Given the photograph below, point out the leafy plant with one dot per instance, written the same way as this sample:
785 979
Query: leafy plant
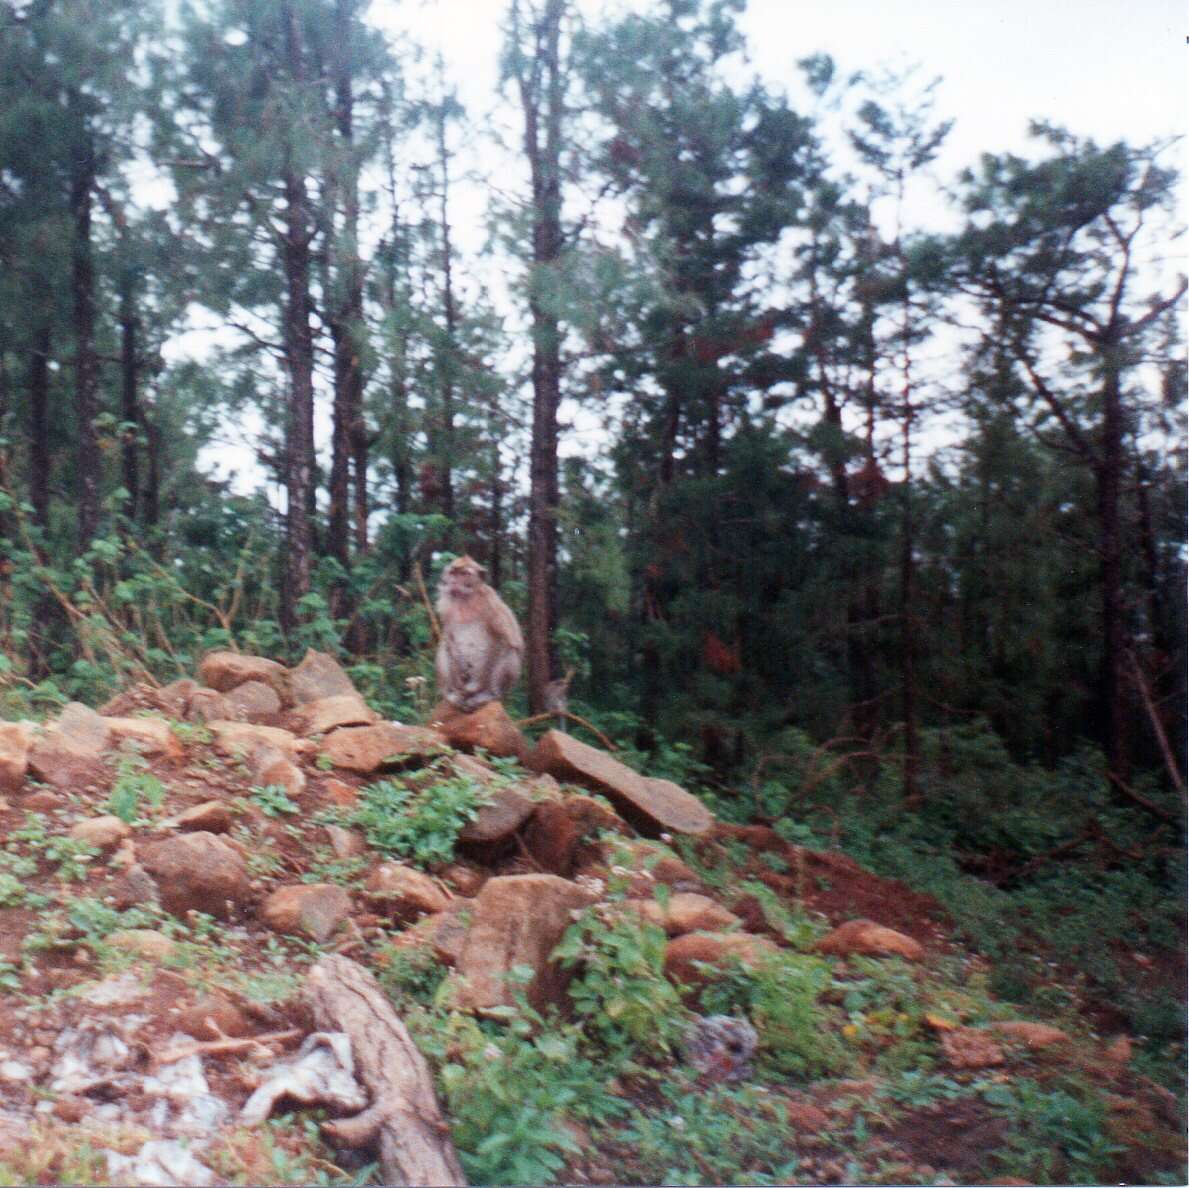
422 818
273 801
620 988
134 786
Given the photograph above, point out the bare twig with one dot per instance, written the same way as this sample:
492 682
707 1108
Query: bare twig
225 1045
536 719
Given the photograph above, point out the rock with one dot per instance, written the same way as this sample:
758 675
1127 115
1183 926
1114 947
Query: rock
134 887
58 760
685 912
370 748
240 739
85 729
870 940
143 942
465 880
552 839
650 805
104 833
517 920
499 819
489 728
410 891
1033 1036
228 1019
174 698
331 713
199 872
1119 1051
345 843
316 909
806 1117
683 953
444 932
269 766
253 701
223 671
151 736
343 794
319 676
15 740
207 705
967 1047
212 816
649 863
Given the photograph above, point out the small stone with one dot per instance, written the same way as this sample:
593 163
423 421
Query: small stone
15 741
685 953
228 1019
870 940
269 766
223 671
345 843
143 942
410 891
212 816
151 736
686 912
967 1047
101 832
1033 1036
317 909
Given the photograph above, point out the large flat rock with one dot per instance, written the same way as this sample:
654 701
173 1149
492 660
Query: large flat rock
223 671
372 748
651 805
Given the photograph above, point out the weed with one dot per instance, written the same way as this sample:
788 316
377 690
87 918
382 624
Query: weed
410 974
134 787
422 818
621 989
273 800
71 856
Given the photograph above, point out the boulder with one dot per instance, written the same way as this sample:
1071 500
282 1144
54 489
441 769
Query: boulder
319 676
15 740
104 833
332 713
207 705
651 805
199 872
516 920
223 671
370 748
174 698
212 816
341 793
465 880
444 932
240 739
869 940
498 819
1033 1036
686 912
84 728
684 954
968 1047
411 892
316 909
143 942
489 728
345 843
151 736
552 839
58 760
253 701
269 766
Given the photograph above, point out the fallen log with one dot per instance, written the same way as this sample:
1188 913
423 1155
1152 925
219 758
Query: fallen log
414 1139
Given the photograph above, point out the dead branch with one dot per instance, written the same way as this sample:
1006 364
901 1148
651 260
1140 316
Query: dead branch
225 1045
536 719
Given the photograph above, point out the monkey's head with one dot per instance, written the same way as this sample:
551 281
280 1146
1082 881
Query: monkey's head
463 578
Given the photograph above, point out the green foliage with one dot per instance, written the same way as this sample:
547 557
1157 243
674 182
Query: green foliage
134 788
1057 1132
71 856
421 818
798 1034
620 988
273 801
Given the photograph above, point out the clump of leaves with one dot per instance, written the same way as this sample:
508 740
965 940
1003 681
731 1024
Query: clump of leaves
780 995
410 974
273 801
421 818
71 856
135 786
620 988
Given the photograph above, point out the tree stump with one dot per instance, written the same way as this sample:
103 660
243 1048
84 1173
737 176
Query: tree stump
414 1139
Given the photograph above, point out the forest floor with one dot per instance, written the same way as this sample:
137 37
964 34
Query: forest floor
882 1068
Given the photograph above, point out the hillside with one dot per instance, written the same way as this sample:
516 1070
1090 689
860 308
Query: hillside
176 863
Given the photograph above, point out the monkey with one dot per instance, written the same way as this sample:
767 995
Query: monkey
478 658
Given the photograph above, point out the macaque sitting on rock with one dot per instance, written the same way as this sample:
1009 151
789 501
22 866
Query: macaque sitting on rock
479 654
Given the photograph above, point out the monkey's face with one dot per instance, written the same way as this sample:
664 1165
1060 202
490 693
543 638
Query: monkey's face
462 578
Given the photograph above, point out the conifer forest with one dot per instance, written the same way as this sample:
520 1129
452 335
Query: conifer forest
845 494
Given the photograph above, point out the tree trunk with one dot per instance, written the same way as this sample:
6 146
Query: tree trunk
299 357
46 612
541 99
414 1138
129 400
86 366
